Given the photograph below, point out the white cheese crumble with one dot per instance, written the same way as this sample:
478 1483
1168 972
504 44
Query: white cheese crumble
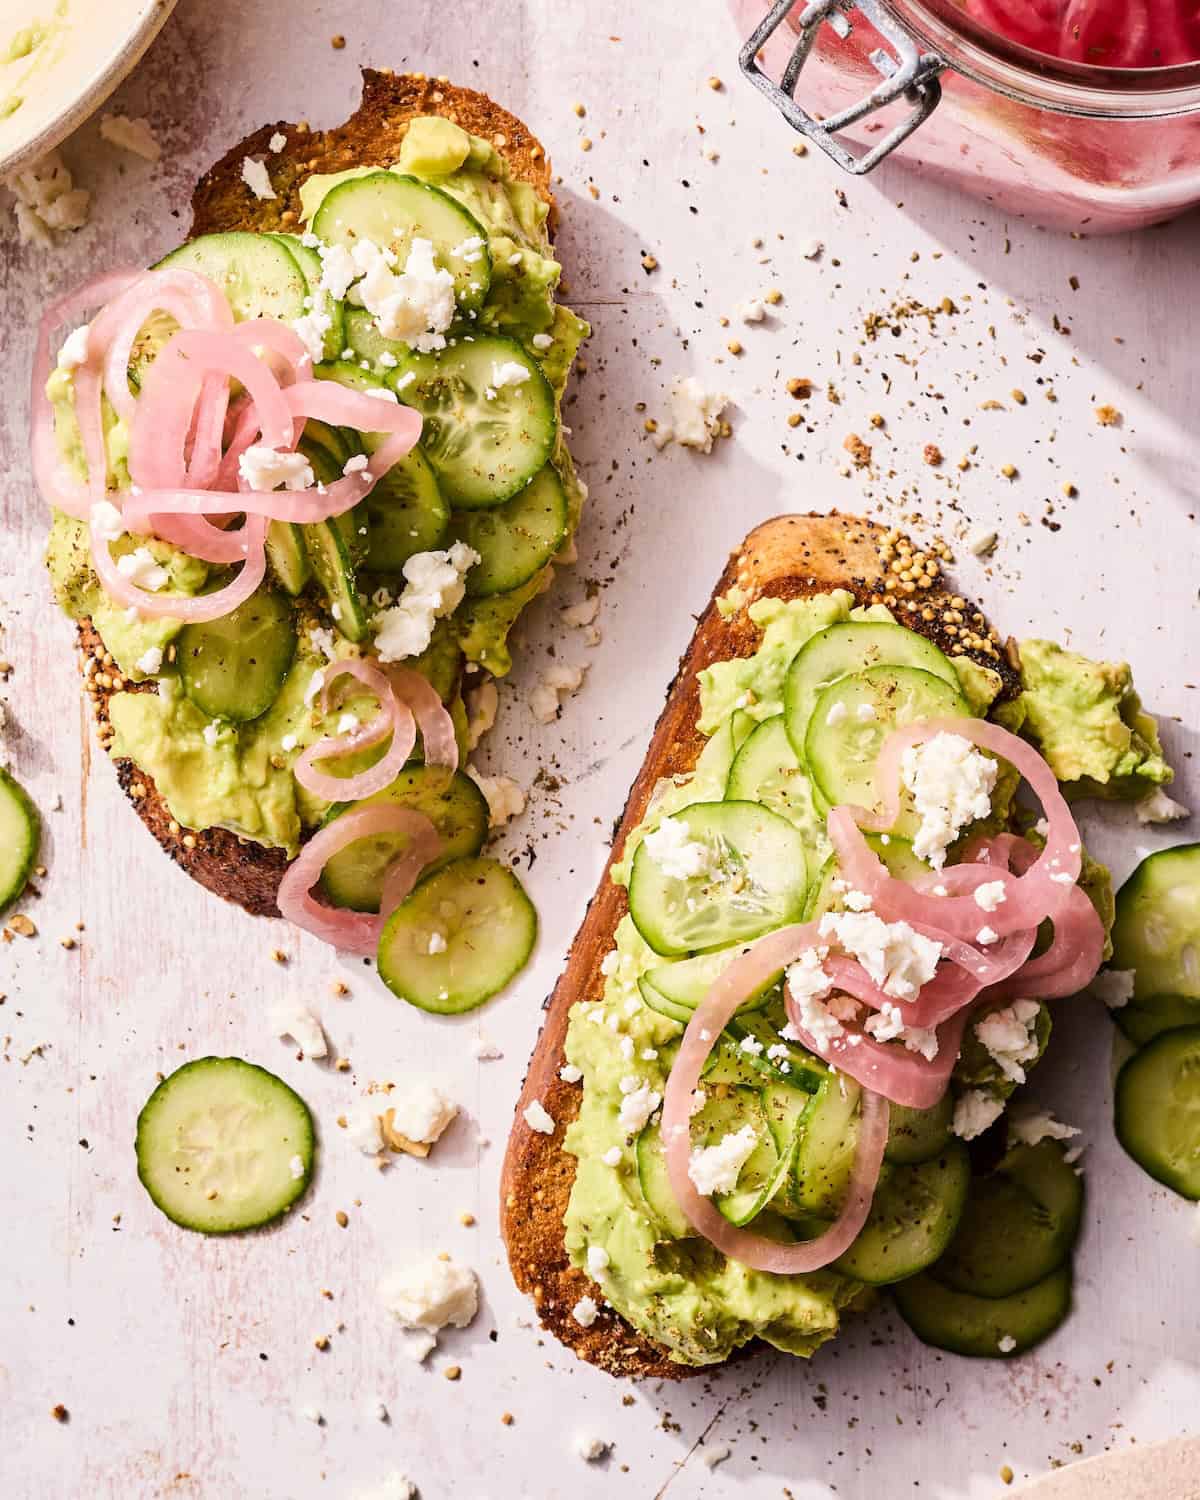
986 936
257 178
569 1073
482 704
150 660
288 742
895 957
1007 1344
277 142
508 373
990 895
296 1166
74 352
752 311
364 1128
311 328
47 200
1159 808
590 1448
585 1312
504 797
416 305
486 1050
856 901
695 419
421 1113
636 1108
717 1455
542 341
393 1486
556 684
142 570
676 853
130 135
337 272
429 1295
981 542
715 1169
974 1111
1032 1127
1009 1035
433 588
291 1018
612 1157
1114 987
951 785
211 733
597 1260
107 521
580 615
266 469
539 1118
887 1025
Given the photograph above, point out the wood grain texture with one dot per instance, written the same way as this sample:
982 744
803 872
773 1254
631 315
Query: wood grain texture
232 867
790 557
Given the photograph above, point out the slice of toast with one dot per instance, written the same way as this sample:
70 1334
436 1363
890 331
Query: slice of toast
789 557
232 867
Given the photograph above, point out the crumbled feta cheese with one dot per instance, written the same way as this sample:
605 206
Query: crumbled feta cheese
1031 1127
315 683
433 588
1114 987
288 742
569 1073
429 1295
415 306
393 1486
486 1050
74 352
752 311
130 135
577 616
539 1118
355 464
837 712
1009 1035
482 704
676 853
589 1448
266 469
715 1456
895 957
509 373
364 1128
277 142
981 542
887 1025
312 1414
557 683
990 895
752 1045
865 713
695 414
420 1113
257 178
437 944
150 660
106 521
986 936
337 272
347 723
597 1260
1159 808
1007 1344
857 901
951 785
585 1312
636 1108
974 1111
715 1169
210 733
504 797
291 1018
296 1166
141 569
542 341
612 1156
47 200
311 328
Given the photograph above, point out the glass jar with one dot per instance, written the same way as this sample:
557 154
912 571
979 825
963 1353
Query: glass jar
1066 144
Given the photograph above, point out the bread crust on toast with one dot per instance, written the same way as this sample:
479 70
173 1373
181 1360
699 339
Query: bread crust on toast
788 557
235 868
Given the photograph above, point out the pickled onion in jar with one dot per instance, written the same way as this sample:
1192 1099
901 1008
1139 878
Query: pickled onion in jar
1102 33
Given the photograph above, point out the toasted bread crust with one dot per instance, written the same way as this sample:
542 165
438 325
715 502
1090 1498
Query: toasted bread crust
789 557
236 869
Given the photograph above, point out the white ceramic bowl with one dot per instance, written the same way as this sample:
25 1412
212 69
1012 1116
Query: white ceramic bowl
82 50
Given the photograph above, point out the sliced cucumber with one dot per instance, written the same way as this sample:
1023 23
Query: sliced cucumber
479 910
483 447
655 1185
685 984
779 1061
825 1155
393 210
913 1217
224 1145
311 269
20 835
517 539
757 881
726 1065
766 770
256 272
1142 1020
365 341
895 852
1158 1109
727 1111
234 667
405 515
842 754
850 647
1021 1223
984 1327
1157 927
288 556
916 1135
451 801
333 547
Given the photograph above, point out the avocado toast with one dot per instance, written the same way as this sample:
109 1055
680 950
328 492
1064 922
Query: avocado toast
408 251
594 1227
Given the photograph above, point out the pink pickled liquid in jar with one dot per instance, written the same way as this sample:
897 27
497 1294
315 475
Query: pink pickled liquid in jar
1076 114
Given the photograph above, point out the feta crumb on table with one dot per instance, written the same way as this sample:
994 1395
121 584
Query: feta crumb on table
590 1448
1031 1127
1157 807
47 200
974 1111
556 684
695 420
292 1019
505 799
135 136
1114 987
431 1294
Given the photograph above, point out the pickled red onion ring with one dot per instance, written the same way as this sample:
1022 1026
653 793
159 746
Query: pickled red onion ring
193 609
439 743
743 977
394 718
356 931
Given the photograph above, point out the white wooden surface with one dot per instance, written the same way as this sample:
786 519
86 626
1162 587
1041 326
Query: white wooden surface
184 1362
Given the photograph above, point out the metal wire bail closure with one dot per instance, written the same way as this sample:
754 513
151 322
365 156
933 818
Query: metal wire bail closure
910 74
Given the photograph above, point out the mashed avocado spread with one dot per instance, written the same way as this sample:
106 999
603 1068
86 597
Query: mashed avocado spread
218 773
673 1287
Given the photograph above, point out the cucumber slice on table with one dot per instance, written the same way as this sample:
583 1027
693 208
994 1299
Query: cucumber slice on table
452 802
479 910
1157 928
485 442
234 667
257 273
757 881
311 269
842 754
1142 1020
1020 1224
20 834
1158 1109
224 1145
913 1217
916 1135
979 1326
517 539
392 210
847 648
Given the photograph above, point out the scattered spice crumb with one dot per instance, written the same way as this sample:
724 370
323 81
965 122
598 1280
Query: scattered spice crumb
932 455
859 451
22 925
342 1219
1006 1474
342 1065
1108 416
467 1220
60 1413
321 1342
649 263
1009 471
1019 397
506 1418
579 109
715 84
453 1372
337 42
800 149
585 143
